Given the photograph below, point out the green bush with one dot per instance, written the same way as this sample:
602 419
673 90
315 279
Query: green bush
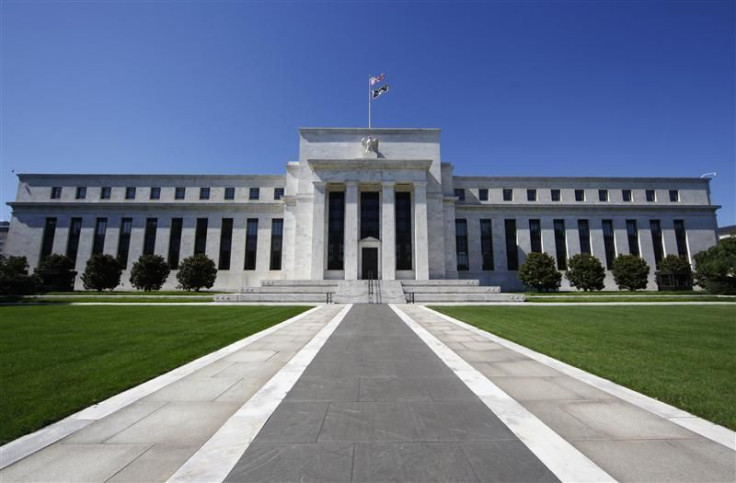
196 272
57 273
14 278
540 272
149 272
585 272
102 273
715 268
630 272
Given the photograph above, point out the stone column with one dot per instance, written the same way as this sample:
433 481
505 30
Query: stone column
421 239
351 230
318 231
388 232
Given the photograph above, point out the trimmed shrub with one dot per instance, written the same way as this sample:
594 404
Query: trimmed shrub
149 272
540 272
14 278
715 268
102 273
585 272
630 272
196 272
57 273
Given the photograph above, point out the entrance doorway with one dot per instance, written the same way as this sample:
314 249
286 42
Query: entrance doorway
369 267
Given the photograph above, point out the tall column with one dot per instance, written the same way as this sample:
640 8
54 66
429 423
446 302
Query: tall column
351 230
318 231
388 232
421 239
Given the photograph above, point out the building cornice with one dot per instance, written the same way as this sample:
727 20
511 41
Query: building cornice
362 164
578 179
249 207
85 176
579 208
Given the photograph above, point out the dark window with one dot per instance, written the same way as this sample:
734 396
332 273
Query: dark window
651 195
483 194
179 193
560 244
626 195
47 243
535 233
200 236
461 244
126 227
278 193
251 243
335 230
277 236
369 210
226 242
584 234
555 195
633 234
204 193
175 242
460 194
508 194
681 238
657 244
254 193
81 192
72 246
579 195
609 243
155 193
230 193
149 236
98 242
56 192
130 193
486 244
105 192
674 196
403 231
512 253
602 195
531 195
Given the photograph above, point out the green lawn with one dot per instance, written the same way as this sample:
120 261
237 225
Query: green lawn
625 297
56 360
682 355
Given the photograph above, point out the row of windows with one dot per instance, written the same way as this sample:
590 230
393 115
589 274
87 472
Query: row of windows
555 195
155 193
535 235
174 252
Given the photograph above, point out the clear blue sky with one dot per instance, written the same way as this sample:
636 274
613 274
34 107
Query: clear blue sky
627 88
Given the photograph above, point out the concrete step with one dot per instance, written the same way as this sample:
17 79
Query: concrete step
321 289
441 283
256 297
451 289
467 297
352 292
300 283
391 292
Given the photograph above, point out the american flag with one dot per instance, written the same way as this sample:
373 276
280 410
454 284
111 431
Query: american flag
376 79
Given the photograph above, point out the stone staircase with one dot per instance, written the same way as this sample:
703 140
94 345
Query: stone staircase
454 291
299 291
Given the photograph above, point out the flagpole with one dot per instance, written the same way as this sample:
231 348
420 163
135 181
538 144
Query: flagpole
369 102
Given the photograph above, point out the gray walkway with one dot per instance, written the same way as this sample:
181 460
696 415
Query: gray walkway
377 404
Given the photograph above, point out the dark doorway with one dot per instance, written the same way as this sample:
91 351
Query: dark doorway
370 263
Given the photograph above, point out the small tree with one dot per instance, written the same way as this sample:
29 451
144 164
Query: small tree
715 268
196 272
14 278
57 272
674 273
540 273
585 272
102 272
149 272
630 272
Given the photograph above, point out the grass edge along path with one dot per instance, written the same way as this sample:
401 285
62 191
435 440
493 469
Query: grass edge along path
57 360
684 356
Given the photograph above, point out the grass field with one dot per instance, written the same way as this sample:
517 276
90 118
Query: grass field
536 298
56 360
682 355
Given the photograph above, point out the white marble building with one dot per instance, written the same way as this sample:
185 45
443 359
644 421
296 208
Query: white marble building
349 210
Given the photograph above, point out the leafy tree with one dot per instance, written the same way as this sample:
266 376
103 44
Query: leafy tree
102 272
715 268
630 272
539 272
57 272
149 272
196 272
585 272
14 278
675 265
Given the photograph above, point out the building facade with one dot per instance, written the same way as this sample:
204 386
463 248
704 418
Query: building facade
359 204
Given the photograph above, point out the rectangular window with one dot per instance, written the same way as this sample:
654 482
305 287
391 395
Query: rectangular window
130 193
657 244
47 243
226 242
681 238
204 193
105 192
508 194
483 194
230 193
175 242
251 243
512 252
98 242
674 196
180 193
254 193
72 246
149 236
602 195
335 230
155 193
461 244
535 233
460 194
486 244
56 192
403 231
126 227
81 192
369 211
278 193
579 195
626 195
277 235
560 244
584 234
632 233
531 195
555 194
200 236
609 243
651 196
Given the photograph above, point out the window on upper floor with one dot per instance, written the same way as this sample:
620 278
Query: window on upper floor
230 193
579 195
105 192
254 193
531 195
460 194
555 195
204 193
483 194
674 196
155 193
56 192
130 193
651 195
180 193
602 195
626 195
81 192
508 194
278 193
